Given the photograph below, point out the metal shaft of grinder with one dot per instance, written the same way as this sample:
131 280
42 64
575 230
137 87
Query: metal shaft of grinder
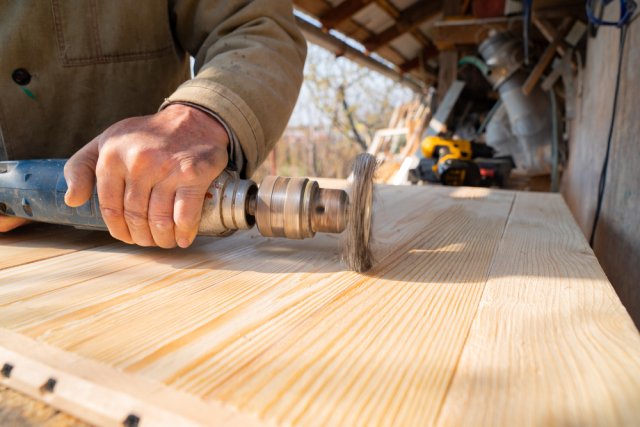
297 208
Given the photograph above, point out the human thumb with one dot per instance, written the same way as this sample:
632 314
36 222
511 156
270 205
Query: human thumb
80 174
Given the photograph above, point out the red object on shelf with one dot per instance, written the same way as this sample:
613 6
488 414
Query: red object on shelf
488 8
487 173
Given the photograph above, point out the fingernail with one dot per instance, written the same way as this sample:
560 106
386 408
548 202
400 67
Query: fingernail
183 243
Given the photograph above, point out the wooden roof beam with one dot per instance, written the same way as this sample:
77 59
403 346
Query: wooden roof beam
406 21
447 34
342 12
317 36
427 53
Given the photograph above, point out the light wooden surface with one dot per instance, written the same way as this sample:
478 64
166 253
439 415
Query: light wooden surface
19 410
617 239
485 308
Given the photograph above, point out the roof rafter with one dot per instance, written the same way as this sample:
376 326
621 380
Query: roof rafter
406 21
342 12
425 55
340 48
369 34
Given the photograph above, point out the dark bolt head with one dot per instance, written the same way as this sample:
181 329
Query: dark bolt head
49 386
6 370
132 420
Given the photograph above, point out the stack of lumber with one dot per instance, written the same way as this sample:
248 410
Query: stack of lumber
485 307
400 139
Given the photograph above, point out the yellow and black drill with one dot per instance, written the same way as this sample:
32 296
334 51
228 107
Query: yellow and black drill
459 162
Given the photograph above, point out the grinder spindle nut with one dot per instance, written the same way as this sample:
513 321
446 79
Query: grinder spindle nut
297 208
283 207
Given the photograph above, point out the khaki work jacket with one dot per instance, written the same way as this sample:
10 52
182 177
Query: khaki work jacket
71 68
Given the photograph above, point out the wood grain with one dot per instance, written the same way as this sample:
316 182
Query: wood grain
551 344
259 331
36 242
102 395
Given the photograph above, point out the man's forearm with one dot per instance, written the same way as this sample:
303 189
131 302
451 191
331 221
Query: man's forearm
249 60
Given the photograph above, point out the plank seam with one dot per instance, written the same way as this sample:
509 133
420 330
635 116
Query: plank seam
73 251
477 311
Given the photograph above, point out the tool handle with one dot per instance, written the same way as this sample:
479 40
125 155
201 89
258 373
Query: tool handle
35 189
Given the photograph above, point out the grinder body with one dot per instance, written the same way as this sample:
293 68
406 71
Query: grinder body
294 208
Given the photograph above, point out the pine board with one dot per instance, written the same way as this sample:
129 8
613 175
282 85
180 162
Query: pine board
36 242
475 296
551 343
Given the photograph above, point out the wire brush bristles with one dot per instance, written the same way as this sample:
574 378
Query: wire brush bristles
357 247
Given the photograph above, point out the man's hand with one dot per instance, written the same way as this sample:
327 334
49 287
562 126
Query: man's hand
152 174
8 223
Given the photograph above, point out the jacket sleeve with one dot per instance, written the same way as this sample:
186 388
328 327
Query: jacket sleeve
249 57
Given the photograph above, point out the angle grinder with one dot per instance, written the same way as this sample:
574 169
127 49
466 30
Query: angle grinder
289 207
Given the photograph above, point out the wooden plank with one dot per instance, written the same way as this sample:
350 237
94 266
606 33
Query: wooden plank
342 12
438 123
479 311
104 396
317 36
36 242
448 33
272 329
551 343
405 21
467 31
356 31
617 239
548 54
549 33
448 56
312 7
421 60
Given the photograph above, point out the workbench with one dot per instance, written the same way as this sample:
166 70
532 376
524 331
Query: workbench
485 307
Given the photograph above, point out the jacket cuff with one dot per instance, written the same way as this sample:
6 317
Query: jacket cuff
232 110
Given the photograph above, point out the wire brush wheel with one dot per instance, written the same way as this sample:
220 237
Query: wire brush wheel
357 247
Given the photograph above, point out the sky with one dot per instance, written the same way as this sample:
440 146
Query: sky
367 93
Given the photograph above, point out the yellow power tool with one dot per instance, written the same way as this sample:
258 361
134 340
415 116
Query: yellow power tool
453 162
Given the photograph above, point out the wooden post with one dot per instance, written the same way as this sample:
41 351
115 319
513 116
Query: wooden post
448 58
447 72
